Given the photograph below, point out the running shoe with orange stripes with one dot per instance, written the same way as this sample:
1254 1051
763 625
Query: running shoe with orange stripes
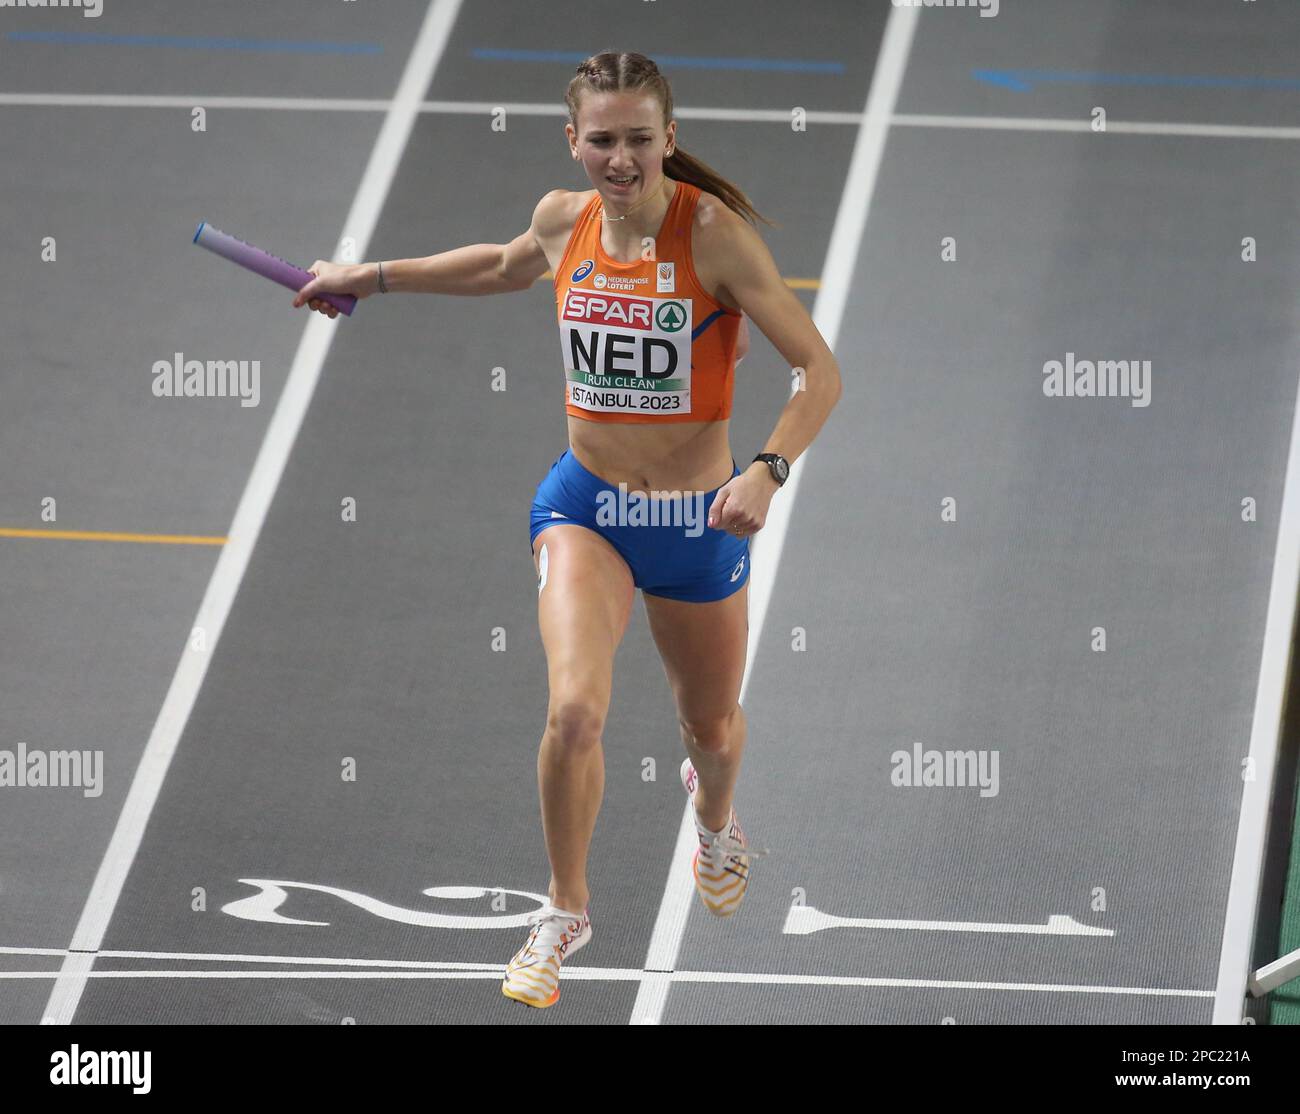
533 975
721 861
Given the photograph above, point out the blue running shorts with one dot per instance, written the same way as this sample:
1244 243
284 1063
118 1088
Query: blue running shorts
666 542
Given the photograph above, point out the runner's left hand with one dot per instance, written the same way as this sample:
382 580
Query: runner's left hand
740 507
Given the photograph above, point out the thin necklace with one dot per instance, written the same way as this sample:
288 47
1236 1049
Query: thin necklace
610 220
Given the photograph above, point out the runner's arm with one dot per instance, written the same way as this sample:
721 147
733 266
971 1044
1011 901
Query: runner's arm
478 269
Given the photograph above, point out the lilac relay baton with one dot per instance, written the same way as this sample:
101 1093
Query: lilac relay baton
267 265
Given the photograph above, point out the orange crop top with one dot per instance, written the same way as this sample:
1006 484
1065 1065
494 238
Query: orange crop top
642 341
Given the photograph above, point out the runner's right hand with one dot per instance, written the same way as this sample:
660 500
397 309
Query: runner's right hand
359 279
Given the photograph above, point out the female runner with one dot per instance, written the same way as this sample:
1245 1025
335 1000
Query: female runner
655 269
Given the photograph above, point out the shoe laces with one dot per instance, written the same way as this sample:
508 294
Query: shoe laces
552 928
725 847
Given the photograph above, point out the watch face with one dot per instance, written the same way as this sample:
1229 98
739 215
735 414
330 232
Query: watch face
782 469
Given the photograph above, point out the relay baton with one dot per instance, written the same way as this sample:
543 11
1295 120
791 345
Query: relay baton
267 265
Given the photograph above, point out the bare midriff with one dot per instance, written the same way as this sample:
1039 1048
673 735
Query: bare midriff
682 456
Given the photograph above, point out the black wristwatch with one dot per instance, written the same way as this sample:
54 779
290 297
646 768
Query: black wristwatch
777 465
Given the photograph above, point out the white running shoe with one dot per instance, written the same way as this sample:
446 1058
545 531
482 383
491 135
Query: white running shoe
721 862
533 975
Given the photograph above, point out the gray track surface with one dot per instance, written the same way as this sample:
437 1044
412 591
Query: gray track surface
373 640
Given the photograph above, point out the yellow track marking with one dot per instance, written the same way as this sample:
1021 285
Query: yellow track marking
108 536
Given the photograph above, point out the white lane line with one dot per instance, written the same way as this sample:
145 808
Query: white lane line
627 974
1120 127
149 100
348 104
1236 954
428 968
828 311
804 920
247 524
681 112
236 957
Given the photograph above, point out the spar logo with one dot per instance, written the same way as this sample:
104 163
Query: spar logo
670 317
609 309
583 270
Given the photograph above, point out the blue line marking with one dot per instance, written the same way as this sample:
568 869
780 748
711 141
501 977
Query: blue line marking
678 61
273 46
1022 81
705 324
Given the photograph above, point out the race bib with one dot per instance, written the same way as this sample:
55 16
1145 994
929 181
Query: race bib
626 353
